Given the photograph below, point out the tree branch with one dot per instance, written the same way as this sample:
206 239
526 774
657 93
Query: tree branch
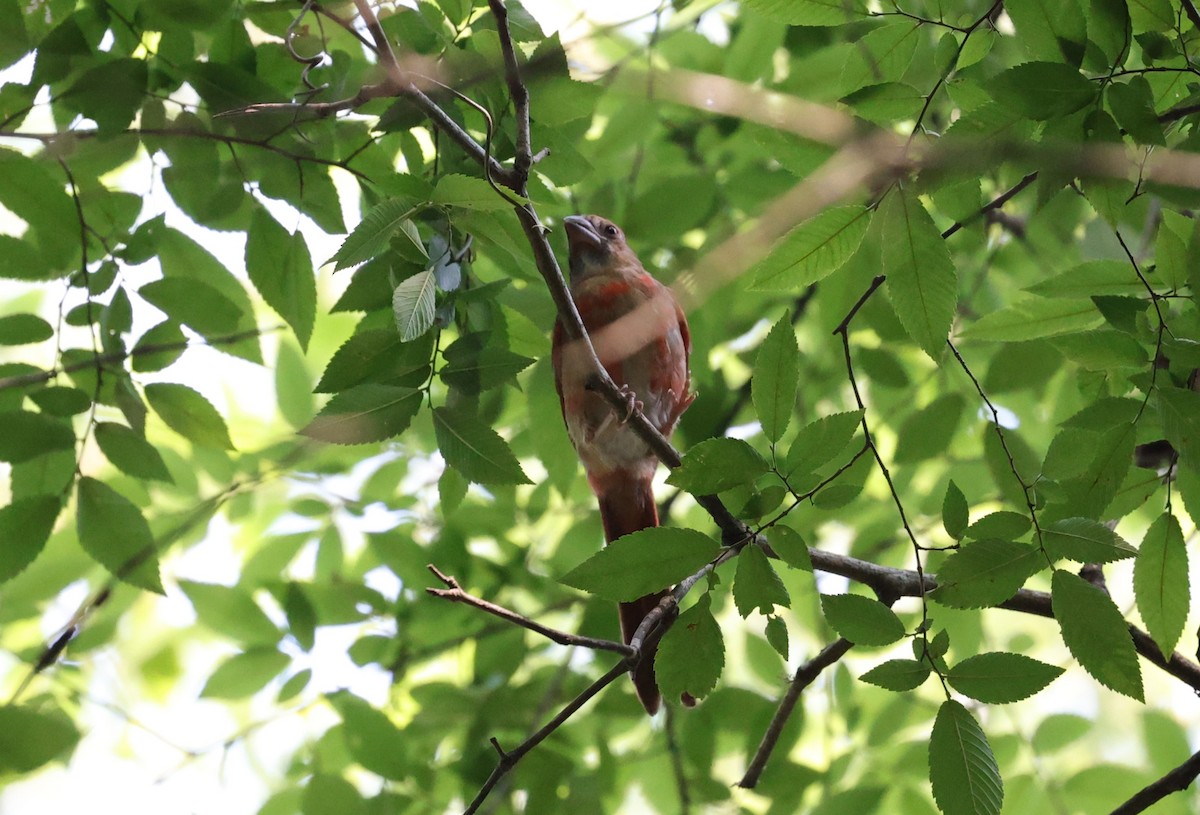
523 159
805 676
1177 780
994 204
455 594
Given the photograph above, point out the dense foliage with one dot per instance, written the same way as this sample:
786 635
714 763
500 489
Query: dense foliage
1015 399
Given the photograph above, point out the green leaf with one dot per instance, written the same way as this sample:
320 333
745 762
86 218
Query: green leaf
642 563
293 386
37 196
819 442
1160 582
1089 494
1102 350
373 739
195 304
718 464
189 414
1096 633
962 769
245 674
231 612
28 435
1043 90
776 378
281 268
811 251
777 635
1055 32
473 366
1095 278
159 347
325 794
22 329
985 573
927 433
370 238
691 655
130 453
755 584
1132 105
474 449
61 400
1004 524
1108 27
881 56
31 738
1034 318
110 94
112 530
364 414
413 305
790 547
1085 541
898 675
955 511
886 102
25 526
921 279
374 355
861 620
301 616
1000 677
470 193
1179 412
807 12
1152 15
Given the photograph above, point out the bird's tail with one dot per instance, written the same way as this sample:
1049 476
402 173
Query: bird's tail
627 505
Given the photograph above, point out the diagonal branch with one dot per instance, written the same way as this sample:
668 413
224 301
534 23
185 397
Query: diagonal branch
805 676
1177 780
455 594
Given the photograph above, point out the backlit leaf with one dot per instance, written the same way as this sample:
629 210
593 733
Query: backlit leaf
921 282
113 531
962 768
776 378
1096 633
642 563
474 449
691 655
1160 581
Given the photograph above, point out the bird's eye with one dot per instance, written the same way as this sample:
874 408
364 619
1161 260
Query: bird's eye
611 231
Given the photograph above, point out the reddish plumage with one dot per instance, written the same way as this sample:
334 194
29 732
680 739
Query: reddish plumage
641 337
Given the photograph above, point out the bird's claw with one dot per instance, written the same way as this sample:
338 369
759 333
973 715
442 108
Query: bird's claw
632 403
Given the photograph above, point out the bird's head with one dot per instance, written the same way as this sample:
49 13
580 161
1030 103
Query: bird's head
596 244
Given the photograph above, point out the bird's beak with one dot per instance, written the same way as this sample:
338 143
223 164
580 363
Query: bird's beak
580 233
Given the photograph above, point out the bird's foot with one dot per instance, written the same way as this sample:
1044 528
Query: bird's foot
632 403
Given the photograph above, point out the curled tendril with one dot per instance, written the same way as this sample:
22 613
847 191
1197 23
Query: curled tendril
309 62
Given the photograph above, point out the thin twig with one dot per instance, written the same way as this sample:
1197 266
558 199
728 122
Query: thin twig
992 205
23 380
455 594
805 676
1177 780
509 758
519 93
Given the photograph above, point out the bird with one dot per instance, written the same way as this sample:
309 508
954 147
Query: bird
641 336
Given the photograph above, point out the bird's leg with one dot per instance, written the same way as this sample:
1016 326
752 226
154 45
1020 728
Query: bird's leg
632 403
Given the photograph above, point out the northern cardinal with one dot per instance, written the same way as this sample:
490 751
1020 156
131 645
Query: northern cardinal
641 337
